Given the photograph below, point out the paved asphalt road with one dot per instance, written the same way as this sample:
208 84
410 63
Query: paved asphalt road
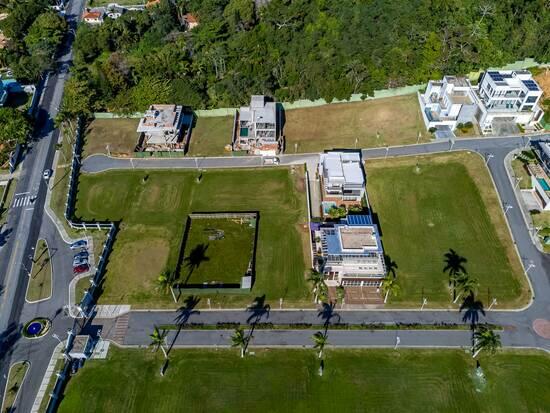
19 235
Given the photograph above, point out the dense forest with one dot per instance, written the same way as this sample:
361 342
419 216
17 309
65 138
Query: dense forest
293 49
35 33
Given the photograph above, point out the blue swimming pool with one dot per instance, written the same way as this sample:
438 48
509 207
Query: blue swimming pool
544 184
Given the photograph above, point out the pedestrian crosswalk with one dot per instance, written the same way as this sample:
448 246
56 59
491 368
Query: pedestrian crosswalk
21 201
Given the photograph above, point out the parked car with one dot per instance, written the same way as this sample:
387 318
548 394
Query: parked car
47 174
81 243
82 254
271 160
79 261
80 269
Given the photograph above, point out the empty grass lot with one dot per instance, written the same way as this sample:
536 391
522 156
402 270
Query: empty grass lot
396 119
287 381
210 135
217 250
40 282
449 203
153 215
120 134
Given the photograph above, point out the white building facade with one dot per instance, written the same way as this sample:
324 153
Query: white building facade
342 176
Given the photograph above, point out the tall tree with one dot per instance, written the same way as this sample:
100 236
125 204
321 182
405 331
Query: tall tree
239 339
390 286
320 340
158 339
485 340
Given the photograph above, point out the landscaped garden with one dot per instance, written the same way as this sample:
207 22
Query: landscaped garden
152 207
217 251
288 381
429 205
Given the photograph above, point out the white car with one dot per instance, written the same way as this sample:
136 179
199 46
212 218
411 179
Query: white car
47 174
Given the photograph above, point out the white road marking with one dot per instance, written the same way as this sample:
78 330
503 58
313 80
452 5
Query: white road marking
22 193
21 201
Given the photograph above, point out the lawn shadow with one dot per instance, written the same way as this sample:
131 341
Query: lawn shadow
195 258
391 266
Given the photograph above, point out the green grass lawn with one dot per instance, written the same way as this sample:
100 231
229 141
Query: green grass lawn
210 135
450 202
119 134
4 208
521 172
40 283
396 119
16 377
153 214
217 250
287 381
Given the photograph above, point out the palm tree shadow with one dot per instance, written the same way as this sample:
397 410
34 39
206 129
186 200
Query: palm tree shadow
195 258
184 313
258 309
454 263
327 313
472 307
391 266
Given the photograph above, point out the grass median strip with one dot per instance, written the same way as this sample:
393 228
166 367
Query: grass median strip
288 381
40 281
16 375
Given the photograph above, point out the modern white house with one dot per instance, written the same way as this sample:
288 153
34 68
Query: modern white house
448 102
351 252
500 101
342 176
508 96
257 127
160 128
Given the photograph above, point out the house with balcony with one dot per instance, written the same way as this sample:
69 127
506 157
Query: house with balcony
448 102
350 253
94 16
508 96
342 177
256 128
160 129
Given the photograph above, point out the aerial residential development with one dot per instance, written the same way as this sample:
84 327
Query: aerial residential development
279 206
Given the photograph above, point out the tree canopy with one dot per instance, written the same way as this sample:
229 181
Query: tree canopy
14 129
298 49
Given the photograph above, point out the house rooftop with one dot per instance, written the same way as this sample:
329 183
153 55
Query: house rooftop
93 14
160 117
345 165
259 111
352 239
80 344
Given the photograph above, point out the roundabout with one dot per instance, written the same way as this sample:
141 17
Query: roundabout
36 328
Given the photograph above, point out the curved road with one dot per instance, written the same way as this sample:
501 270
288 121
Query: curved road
518 331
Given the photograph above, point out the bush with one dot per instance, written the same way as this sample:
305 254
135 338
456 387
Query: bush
432 130
468 125
534 211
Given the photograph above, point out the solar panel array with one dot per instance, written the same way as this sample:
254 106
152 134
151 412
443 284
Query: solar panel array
359 220
531 85
497 77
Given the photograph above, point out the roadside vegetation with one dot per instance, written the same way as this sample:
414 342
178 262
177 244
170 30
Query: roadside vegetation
289 381
40 281
448 225
291 50
153 206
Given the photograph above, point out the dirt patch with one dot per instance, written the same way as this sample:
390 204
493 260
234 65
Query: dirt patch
543 79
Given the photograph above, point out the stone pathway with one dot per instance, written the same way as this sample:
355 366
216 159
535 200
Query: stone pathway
121 326
47 376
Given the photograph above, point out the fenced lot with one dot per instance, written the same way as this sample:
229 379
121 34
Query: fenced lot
217 251
118 134
430 204
288 381
152 205
397 120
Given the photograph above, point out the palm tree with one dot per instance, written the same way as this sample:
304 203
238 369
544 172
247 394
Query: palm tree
485 339
166 281
390 286
158 338
319 286
238 339
465 285
320 341
454 265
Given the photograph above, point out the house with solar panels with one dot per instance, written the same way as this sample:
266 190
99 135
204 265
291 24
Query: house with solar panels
500 101
349 252
508 96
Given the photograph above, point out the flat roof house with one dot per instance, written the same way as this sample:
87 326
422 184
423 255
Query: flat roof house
257 127
508 96
160 128
342 176
351 252
448 102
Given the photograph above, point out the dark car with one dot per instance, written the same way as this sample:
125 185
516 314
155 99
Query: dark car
81 254
82 243
79 261
80 269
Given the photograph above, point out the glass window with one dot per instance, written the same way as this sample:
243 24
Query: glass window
531 99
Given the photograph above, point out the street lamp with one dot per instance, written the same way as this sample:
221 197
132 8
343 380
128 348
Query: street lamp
518 180
507 208
531 265
489 156
494 302
424 302
397 341
387 150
